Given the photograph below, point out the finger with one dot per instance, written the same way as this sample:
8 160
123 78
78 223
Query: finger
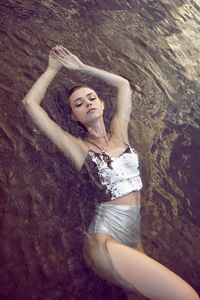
66 50
64 54
57 49
63 62
54 55
51 51
59 52
62 49
54 49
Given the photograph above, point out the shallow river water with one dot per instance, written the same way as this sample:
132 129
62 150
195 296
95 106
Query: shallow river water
43 207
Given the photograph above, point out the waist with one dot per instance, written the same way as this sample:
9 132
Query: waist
133 198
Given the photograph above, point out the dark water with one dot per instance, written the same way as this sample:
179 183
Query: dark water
155 44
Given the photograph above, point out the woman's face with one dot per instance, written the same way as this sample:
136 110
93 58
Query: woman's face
86 106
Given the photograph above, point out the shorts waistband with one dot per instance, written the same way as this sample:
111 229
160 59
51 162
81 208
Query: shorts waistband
120 206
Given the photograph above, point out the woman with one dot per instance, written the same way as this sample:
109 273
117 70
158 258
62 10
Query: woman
112 247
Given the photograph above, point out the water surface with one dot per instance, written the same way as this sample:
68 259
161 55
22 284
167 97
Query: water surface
154 44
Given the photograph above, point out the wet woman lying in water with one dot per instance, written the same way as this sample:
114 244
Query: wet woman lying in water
112 247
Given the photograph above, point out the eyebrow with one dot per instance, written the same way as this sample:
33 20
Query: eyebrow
80 98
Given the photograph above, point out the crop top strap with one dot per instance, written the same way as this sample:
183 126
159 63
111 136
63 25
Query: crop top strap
121 139
112 133
87 144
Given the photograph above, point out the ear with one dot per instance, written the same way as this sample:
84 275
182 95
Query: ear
74 117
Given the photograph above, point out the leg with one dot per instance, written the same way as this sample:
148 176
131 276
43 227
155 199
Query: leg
148 276
133 270
131 296
98 259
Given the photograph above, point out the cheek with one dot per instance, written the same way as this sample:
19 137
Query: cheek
78 114
102 105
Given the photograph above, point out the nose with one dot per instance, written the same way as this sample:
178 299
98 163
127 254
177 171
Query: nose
88 103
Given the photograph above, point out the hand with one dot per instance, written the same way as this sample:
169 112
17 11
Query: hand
67 59
54 63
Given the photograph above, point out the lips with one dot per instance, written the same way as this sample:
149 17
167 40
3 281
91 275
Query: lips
90 110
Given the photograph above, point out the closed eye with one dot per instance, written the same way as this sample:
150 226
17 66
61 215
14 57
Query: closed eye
79 104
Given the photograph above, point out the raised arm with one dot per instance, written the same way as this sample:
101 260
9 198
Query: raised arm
123 109
71 146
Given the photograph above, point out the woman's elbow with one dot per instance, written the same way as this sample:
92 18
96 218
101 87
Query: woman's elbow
27 103
124 83
124 86
24 101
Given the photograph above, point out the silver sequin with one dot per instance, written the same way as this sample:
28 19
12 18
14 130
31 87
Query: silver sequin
120 175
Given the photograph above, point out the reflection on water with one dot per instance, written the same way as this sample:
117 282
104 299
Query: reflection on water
155 44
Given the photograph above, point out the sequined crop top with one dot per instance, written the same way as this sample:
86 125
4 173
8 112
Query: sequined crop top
119 175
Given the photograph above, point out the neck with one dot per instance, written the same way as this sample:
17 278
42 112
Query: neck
96 131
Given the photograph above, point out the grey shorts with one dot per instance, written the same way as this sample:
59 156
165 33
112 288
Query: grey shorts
121 222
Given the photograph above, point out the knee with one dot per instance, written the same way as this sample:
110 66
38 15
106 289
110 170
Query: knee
194 295
188 293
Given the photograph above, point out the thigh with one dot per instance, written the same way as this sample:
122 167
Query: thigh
149 277
94 248
98 258
133 270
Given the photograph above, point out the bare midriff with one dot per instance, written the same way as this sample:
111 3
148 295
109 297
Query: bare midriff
132 198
